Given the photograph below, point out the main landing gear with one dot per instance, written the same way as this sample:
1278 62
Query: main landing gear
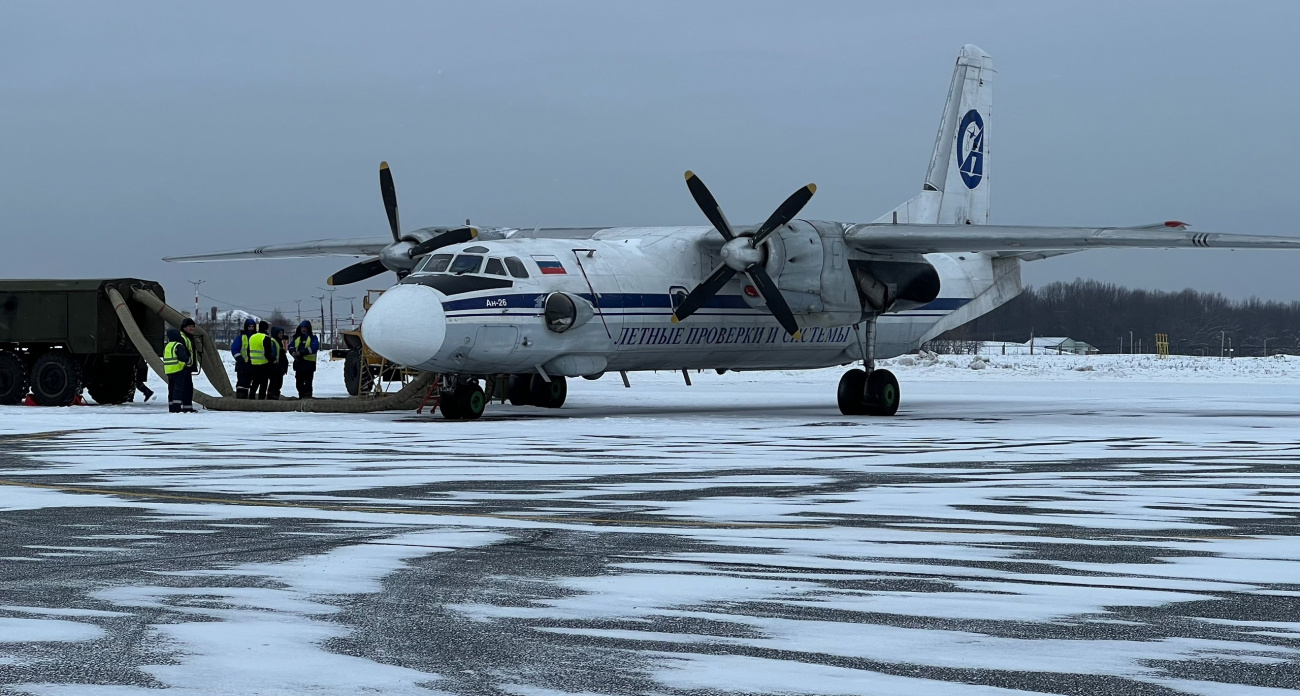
863 393
464 399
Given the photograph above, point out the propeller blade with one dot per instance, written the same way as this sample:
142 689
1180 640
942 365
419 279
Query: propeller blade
785 212
703 292
460 235
709 205
775 300
390 200
357 272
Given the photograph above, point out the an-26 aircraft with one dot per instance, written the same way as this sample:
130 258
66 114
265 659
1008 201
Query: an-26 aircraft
537 306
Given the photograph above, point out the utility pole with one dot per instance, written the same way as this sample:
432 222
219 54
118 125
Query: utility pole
1222 342
1130 342
351 311
322 313
299 303
196 284
331 324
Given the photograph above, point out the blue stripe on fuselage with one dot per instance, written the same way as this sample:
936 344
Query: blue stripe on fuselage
638 300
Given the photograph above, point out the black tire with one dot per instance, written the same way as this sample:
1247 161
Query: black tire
13 379
114 382
356 380
852 393
519 390
883 395
548 394
56 379
471 401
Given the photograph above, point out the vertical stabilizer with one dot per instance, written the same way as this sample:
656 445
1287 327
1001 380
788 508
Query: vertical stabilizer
956 190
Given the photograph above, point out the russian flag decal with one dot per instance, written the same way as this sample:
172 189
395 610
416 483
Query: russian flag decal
549 265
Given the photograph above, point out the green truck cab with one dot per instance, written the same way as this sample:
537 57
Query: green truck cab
58 337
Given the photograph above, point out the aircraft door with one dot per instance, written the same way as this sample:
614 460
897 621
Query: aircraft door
602 280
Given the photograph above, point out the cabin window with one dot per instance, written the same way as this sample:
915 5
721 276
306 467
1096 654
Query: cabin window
436 263
494 267
466 263
517 268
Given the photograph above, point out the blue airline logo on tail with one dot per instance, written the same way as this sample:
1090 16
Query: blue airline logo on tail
970 149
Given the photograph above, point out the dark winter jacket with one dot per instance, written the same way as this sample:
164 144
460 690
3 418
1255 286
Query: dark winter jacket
237 345
278 334
301 350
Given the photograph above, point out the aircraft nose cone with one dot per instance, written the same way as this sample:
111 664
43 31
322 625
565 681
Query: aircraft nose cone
406 325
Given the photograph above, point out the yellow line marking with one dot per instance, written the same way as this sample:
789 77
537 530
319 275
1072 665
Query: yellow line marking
394 511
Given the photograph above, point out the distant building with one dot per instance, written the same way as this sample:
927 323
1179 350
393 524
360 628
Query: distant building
1041 345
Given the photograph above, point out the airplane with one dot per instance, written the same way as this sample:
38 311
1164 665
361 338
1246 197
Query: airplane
522 310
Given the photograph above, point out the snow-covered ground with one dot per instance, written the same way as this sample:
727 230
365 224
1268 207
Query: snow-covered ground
1029 526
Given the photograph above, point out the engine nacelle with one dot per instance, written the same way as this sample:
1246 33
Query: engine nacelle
563 312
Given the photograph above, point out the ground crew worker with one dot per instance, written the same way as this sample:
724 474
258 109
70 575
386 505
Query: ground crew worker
280 367
188 327
243 370
304 349
141 376
262 359
180 381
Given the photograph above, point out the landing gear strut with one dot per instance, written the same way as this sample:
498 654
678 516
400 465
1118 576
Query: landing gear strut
868 392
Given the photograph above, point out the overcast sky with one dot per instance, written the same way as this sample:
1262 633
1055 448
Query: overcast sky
130 131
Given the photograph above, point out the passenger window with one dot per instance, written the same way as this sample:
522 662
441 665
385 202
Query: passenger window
465 263
436 263
517 268
494 267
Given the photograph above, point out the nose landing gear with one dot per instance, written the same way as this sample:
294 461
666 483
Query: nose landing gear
868 394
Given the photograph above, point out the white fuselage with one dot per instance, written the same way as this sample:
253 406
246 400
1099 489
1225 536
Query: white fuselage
485 323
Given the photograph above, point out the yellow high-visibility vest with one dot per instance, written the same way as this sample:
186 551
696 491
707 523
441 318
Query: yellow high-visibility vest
257 349
302 344
189 346
171 363
243 346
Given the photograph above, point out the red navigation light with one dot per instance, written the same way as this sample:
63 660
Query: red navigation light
751 291
1174 223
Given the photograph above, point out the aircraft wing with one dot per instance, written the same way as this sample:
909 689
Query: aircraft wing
357 246
1032 243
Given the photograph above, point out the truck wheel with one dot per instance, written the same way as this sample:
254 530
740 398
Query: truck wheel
548 394
13 379
114 382
56 379
357 380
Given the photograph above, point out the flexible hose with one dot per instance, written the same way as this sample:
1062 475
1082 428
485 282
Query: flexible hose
406 398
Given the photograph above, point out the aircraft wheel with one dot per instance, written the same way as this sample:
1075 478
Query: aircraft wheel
882 393
56 379
519 390
548 394
13 379
851 394
466 402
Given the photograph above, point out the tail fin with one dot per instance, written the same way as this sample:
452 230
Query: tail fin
956 187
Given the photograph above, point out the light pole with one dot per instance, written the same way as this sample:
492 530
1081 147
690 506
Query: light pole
352 322
299 303
196 284
322 313
331 324
1130 343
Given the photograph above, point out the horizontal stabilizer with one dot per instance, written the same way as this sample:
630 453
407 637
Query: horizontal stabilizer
1025 241
357 246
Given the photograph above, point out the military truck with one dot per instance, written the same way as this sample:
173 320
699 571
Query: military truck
58 337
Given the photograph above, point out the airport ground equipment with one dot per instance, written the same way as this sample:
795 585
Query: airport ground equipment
60 337
405 399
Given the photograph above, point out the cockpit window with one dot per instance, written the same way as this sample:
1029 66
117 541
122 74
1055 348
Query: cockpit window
437 263
494 267
517 268
465 263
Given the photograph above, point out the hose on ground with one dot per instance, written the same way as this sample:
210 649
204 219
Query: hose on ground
407 398
209 353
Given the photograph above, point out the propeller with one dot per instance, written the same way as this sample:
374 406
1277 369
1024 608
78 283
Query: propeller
398 256
743 255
